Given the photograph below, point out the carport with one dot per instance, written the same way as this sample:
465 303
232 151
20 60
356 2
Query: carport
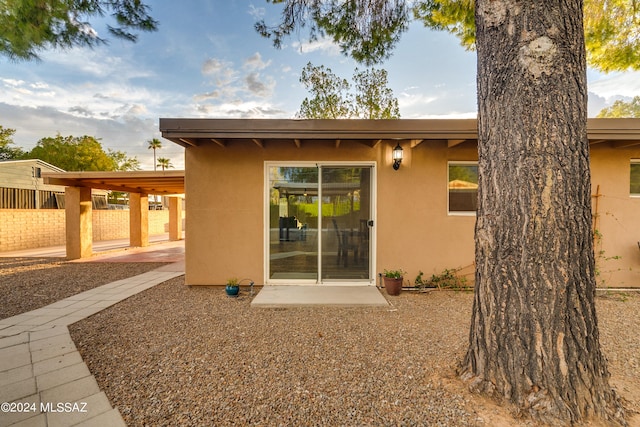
139 185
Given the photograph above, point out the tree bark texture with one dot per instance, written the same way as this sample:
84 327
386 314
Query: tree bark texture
534 333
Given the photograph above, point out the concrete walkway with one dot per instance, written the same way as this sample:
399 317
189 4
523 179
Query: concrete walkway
43 380
100 248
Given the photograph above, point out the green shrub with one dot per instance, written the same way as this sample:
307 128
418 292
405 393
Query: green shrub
448 279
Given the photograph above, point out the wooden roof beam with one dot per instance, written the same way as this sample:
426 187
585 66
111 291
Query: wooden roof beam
189 142
625 144
298 143
219 142
258 142
337 143
416 142
453 142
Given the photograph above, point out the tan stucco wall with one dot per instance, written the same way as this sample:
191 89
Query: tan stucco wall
618 217
414 231
226 199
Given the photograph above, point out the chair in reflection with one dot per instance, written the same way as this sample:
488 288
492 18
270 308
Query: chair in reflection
346 243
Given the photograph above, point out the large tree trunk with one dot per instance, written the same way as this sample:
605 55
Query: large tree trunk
534 333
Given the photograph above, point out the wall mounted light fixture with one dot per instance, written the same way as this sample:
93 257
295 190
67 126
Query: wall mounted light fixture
397 157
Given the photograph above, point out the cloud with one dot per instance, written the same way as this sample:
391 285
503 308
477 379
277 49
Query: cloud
325 45
205 96
212 66
257 12
231 85
240 109
136 110
118 115
255 62
416 102
99 63
13 83
221 72
596 104
39 85
615 84
259 88
82 111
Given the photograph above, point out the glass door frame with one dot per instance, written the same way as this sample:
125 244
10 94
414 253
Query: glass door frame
372 230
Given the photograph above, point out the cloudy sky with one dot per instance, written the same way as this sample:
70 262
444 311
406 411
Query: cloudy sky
206 60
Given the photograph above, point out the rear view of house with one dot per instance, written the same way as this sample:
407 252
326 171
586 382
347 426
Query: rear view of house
338 201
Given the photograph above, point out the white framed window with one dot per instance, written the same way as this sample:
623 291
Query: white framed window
462 188
634 178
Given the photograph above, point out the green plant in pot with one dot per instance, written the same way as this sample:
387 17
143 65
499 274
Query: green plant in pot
393 281
233 287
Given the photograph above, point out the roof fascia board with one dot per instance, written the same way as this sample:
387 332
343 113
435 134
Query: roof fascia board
176 129
318 129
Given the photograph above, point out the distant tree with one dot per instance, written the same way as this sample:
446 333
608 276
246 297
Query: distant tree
329 94
154 144
333 99
622 109
373 99
29 27
72 153
6 140
164 163
123 162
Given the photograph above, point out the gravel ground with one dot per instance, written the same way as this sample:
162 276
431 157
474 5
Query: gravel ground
179 355
30 283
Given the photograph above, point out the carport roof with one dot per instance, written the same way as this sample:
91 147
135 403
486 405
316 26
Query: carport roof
195 132
144 182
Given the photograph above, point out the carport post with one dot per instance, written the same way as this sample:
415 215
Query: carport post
175 218
78 217
138 219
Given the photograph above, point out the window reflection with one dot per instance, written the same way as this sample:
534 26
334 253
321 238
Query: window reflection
293 223
463 187
634 183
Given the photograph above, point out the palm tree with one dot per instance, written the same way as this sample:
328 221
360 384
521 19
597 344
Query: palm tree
164 163
154 144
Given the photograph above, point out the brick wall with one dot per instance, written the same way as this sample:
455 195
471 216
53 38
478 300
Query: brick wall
110 225
38 228
31 228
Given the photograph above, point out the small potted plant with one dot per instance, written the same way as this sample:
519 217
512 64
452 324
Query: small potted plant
233 287
393 281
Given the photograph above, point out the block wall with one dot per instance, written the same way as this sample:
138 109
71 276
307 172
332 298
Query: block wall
39 228
31 228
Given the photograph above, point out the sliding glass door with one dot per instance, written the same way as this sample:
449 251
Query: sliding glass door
320 223
293 223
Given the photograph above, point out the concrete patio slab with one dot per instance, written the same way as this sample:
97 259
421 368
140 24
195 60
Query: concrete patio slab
342 296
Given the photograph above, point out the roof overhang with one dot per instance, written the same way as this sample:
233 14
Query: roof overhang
196 132
144 182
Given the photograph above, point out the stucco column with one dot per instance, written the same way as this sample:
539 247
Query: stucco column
79 231
138 219
175 218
